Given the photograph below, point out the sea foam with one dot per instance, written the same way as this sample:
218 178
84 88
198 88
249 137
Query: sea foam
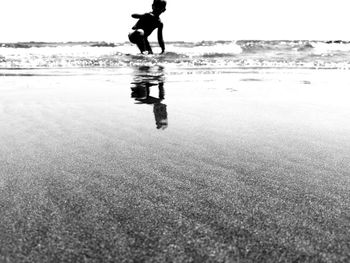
233 54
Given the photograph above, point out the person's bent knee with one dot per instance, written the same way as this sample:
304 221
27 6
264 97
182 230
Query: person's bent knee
136 35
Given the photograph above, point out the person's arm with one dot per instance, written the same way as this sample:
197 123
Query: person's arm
160 37
136 16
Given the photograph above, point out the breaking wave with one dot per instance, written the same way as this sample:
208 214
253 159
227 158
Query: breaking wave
258 54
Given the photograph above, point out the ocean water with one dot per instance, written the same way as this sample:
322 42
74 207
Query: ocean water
222 54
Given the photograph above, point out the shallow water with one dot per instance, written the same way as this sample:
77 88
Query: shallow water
228 54
255 109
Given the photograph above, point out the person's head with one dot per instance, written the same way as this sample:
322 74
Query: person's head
158 6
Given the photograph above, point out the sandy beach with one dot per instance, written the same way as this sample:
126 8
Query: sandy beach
153 164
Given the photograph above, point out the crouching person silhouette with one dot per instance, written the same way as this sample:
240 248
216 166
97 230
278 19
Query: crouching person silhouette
146 24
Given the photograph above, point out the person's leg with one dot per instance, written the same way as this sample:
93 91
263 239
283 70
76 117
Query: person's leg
137 37
148 46
161 90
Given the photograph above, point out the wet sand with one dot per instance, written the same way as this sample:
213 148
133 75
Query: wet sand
155 165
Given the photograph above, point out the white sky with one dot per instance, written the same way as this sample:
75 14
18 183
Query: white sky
109 20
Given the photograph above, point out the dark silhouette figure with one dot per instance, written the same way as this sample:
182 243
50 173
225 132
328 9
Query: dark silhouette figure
145 78
145 25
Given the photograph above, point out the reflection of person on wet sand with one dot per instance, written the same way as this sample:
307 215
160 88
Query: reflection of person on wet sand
141 93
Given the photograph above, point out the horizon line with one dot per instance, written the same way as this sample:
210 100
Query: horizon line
170 41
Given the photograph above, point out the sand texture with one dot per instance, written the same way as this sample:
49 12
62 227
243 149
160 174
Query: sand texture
153 165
